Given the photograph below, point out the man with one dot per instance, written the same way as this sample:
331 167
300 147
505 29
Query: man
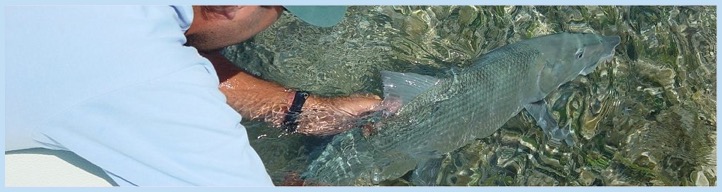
126 88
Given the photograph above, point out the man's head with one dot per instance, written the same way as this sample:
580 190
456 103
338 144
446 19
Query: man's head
215 27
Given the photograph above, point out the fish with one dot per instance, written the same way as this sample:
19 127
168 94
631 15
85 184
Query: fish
439 115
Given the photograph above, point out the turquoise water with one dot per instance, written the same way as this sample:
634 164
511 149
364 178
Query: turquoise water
646 118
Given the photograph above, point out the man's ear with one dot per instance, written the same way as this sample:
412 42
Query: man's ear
219 12
230 11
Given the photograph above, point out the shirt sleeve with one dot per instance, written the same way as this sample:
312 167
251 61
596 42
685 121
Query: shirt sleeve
174 130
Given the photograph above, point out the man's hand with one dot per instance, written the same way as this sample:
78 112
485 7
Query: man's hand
328 116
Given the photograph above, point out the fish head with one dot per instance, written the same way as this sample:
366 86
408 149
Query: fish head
567 55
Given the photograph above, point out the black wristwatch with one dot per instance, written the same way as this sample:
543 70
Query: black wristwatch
290 121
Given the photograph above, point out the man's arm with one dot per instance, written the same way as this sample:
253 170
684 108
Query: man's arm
255 98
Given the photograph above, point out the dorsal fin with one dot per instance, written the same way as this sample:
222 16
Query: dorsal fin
405 86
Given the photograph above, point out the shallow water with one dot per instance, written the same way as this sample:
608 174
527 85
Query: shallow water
646 118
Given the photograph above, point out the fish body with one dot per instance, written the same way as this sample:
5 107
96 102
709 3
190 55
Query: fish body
440 115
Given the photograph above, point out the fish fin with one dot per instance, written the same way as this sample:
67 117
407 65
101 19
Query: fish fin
544 119
405 86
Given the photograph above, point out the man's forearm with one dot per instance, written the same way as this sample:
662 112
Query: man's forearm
252 97
258 99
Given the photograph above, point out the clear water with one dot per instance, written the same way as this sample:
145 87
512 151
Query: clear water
646 118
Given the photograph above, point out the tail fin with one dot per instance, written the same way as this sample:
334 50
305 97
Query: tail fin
351 160
343 160
426 173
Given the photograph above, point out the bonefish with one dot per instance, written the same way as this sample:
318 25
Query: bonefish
440 115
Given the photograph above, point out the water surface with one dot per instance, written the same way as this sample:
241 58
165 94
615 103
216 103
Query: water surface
646 118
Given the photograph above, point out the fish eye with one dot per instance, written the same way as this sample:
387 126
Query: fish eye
579 54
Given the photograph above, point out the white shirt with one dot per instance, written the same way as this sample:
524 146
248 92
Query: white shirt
115 85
